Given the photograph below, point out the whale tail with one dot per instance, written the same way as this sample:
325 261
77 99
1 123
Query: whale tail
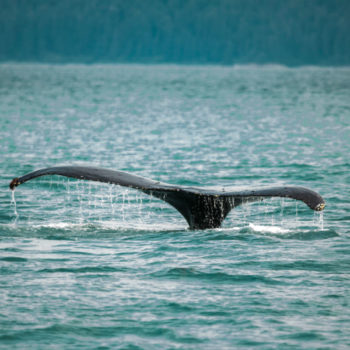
202 208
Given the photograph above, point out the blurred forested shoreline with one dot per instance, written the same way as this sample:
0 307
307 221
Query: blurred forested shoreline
289 32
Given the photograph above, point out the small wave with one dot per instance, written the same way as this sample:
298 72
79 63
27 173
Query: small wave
72 231
298 234
85 269
58 225
151 329
312 235
305 336
226 237
253 66
221 233
111 226
158 227
218 277
11 249
13 259
62 230
305 265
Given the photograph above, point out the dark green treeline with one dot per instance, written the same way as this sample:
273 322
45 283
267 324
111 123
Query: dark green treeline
292 32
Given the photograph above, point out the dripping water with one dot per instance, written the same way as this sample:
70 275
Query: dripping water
122 208
13 202
320 221
282 204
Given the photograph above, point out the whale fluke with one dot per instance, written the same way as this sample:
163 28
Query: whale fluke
202 208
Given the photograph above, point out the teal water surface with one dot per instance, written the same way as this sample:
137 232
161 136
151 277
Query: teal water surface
90 265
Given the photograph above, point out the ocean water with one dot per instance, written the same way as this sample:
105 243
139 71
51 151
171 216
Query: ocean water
90 265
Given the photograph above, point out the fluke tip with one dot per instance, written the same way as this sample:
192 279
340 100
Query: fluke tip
320 206
14 183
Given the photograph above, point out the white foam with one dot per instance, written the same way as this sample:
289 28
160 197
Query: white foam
117 225
235 228
268 229
113 225
58 225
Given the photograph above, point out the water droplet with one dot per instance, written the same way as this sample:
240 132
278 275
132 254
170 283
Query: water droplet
13 202
320 221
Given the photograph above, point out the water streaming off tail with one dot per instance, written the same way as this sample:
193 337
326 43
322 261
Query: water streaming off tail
62 201
275 215
320 221
14 204
81 202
